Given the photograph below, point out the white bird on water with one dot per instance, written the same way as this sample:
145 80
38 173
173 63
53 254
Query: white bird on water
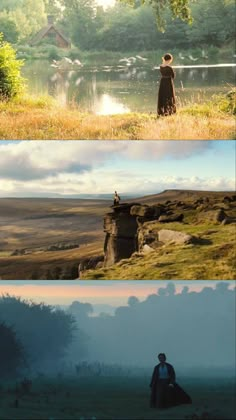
192 58
141 58
66 62
132 60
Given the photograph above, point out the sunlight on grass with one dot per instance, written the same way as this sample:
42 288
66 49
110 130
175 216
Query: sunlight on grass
43 118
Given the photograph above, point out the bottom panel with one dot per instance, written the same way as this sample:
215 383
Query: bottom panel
117 350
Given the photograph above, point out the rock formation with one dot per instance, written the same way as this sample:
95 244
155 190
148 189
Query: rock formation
120 227
135 227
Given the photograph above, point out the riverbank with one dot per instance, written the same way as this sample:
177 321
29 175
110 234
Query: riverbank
42 118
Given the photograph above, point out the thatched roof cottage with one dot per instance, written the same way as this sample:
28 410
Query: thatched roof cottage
52 34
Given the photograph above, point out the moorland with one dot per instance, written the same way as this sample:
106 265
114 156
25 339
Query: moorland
50 238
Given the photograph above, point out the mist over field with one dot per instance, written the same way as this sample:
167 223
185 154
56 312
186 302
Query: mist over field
195 329
108 359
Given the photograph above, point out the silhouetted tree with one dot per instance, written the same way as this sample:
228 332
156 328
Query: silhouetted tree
133 300
45 332
11 352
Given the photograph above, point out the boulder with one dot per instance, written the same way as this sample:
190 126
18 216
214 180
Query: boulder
213 216
147 249
171 218
228 220
181 238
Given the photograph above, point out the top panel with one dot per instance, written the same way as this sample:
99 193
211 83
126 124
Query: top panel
118 72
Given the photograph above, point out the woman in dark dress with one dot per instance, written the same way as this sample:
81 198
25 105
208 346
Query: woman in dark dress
165 392
166 96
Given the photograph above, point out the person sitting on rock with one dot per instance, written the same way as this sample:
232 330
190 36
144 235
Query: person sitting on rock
116 199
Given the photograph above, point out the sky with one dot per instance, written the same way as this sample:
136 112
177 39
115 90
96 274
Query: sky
113 293
100 167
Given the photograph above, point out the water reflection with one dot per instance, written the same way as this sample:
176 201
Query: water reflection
108 105
114 90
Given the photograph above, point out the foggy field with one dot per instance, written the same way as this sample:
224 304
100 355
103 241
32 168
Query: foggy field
116 398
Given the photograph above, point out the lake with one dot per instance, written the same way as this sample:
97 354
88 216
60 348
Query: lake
114 90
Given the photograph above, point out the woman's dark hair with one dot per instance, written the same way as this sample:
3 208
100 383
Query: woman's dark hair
168 57
162 354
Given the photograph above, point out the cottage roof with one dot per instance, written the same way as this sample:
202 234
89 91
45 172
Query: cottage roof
40 35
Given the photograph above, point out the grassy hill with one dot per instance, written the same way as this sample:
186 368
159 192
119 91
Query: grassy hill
213 257
32 225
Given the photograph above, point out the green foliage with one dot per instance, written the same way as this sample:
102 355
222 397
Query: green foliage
47 332
28 15
11 352
178 8
227 103
11 82
9 29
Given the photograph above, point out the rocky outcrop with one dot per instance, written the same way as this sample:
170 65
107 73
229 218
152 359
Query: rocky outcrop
120 227
137 228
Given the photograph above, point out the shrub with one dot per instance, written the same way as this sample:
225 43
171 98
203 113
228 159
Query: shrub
11 82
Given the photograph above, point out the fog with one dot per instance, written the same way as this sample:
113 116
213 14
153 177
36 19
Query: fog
195 330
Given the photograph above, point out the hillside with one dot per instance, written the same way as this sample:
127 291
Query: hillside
64 238
179 235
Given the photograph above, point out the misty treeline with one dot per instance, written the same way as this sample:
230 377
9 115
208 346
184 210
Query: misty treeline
35 335
125 27
195 329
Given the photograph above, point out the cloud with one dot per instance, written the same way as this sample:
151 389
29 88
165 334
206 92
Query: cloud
76 167
34 160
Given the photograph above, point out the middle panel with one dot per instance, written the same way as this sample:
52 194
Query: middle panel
117 210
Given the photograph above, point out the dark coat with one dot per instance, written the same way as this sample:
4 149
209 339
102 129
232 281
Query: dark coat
170 396
166 96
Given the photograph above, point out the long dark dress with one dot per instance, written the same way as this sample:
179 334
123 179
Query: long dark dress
166 96
163 395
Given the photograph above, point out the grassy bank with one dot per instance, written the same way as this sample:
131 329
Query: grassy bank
42 118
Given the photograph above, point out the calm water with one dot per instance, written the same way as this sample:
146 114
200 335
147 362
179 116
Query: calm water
113 90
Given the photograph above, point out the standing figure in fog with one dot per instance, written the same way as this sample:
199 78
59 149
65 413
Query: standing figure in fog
165 392
166 96
116 199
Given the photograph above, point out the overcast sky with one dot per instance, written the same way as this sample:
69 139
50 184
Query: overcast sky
113 293
139 167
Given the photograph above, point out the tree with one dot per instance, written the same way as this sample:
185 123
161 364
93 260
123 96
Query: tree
11 352
79 17
133 300
213 23
179 9
45 332
52 7
28 15
9 29
170 288
11 82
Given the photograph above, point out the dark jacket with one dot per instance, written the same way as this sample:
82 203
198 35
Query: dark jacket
155 375
176 395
